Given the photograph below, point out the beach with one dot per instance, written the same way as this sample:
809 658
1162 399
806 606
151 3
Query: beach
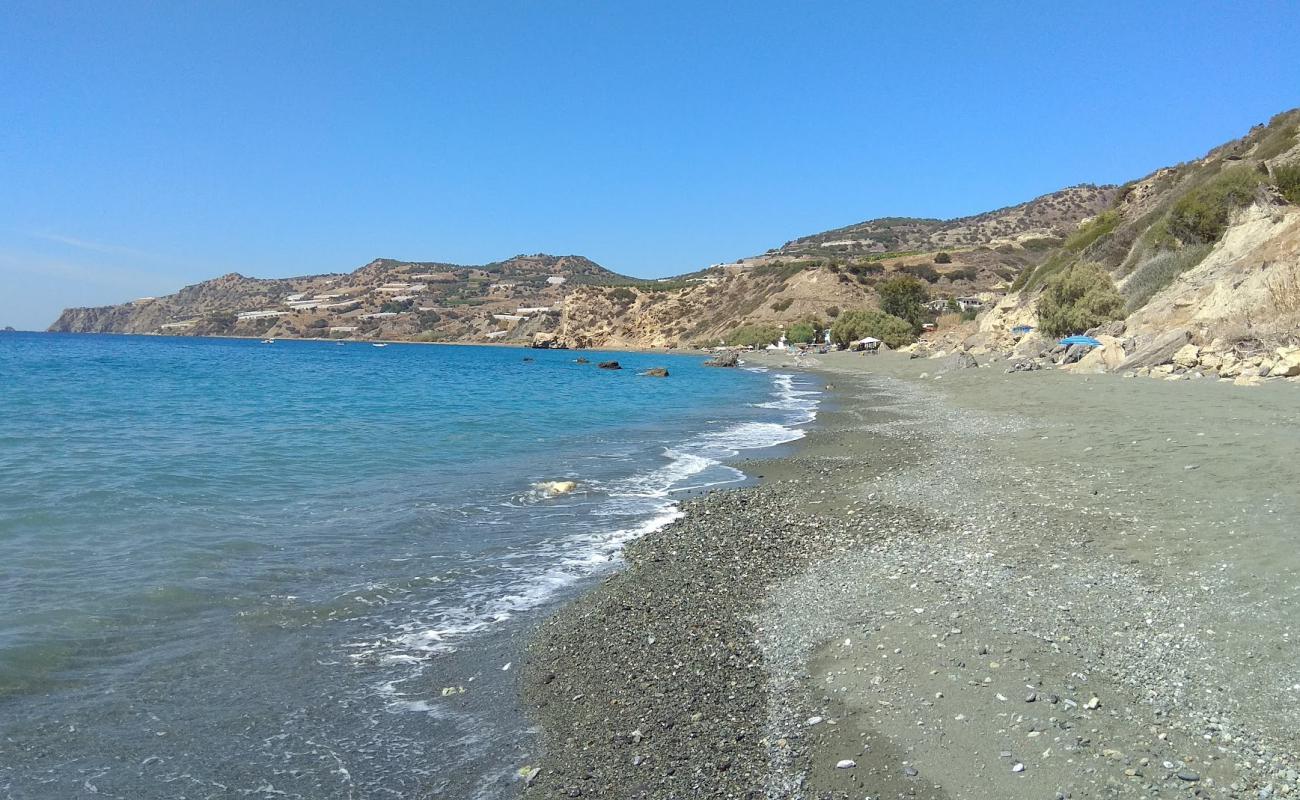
962 584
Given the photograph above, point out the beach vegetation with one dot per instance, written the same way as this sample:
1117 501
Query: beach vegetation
753 336
805 332
1080 297
854 325
905 297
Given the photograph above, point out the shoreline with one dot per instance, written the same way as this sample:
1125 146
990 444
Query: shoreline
503 345
893 596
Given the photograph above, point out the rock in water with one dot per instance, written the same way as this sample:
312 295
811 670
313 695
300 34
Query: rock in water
655 372
609 365
555 488
581 360
727 359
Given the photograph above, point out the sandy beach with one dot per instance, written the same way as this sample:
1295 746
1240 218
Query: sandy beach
964 584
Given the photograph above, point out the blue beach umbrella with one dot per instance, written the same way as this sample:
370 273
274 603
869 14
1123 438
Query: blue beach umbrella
1088 340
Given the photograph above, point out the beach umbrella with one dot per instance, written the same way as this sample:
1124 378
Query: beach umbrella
1085 340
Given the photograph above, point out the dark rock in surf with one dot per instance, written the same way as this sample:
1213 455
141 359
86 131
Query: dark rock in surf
728 359
609 365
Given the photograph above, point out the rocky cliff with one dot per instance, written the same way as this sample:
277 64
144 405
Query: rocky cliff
1207 257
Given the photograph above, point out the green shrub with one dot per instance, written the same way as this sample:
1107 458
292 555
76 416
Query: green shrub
1091 231
782 305
905 297
943 258
622 295
923 271
963 274
1287 180
1041 243
396 306
832 311
1159 271
1081 297
802 333
854 325
753 336
1201 215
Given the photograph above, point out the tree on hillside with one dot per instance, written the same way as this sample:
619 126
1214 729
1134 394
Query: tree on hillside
1081 297
854 325
905 297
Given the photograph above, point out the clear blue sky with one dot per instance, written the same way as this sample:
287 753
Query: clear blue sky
144 146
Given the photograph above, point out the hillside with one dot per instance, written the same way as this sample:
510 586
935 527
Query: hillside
1207 251
1209 245
428 301
1050 216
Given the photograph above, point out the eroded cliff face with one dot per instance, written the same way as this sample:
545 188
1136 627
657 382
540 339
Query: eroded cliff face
1211 247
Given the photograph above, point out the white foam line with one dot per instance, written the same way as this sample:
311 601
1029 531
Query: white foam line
588 553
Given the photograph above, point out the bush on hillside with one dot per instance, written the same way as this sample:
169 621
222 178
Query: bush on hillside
905 297
622 296
1078 298
753 336
854 325
1287 180
1201 215
1159 271
943 258
782 305
923 271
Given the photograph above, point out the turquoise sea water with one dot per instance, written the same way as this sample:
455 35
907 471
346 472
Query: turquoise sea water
305 569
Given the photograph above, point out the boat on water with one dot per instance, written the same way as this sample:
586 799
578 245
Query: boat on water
380 344
268 341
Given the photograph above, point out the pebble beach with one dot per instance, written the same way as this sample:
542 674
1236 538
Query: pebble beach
962 585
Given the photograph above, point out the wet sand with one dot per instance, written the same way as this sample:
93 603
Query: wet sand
968 584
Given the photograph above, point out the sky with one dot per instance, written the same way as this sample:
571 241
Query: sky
146 146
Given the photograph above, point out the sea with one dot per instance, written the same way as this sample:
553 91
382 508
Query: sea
309 569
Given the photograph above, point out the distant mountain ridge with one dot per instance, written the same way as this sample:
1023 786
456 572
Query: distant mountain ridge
1238 277
1051 215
